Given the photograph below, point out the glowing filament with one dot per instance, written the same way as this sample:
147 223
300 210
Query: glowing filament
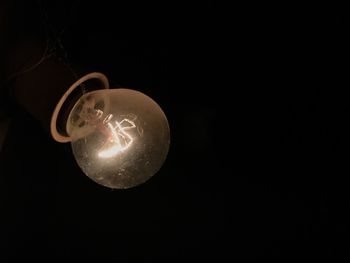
119 140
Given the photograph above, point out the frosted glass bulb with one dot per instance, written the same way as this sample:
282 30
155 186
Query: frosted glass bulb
120 137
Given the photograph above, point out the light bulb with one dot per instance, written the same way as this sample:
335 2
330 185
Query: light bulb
120 137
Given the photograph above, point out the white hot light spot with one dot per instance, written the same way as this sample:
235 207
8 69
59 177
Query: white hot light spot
119 139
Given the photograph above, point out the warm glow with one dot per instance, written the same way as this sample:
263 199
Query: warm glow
120 137
119 140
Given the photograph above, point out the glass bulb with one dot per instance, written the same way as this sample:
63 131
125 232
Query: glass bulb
120 137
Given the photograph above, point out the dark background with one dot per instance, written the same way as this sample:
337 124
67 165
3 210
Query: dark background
258 111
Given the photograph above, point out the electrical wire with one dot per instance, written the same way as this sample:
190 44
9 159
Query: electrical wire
46 55
57 39
48 52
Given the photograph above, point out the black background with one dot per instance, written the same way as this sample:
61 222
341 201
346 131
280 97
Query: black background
258 113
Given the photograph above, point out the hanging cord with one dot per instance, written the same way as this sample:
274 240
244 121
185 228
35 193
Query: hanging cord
47 53
58 45
53 47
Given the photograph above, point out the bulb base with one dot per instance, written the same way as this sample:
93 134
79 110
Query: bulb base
68 98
